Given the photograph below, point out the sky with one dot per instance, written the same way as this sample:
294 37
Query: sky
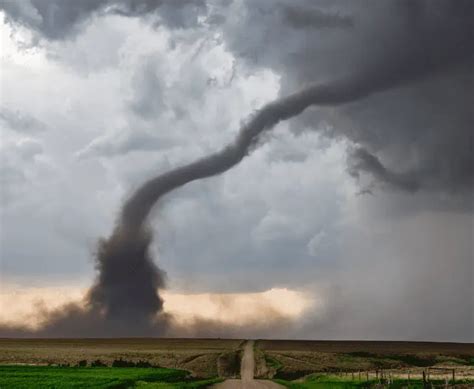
349 221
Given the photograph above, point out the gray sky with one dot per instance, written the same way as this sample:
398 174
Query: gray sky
367 205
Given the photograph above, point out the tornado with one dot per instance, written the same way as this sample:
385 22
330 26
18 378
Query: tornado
126 290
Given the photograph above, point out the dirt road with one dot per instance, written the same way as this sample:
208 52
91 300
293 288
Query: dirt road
247 368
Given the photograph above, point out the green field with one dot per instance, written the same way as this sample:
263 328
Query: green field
16 377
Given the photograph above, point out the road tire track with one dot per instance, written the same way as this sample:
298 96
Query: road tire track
247 368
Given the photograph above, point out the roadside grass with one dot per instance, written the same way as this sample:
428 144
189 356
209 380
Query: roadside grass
291 365
19 377
320 381
416 360
273 362
178 385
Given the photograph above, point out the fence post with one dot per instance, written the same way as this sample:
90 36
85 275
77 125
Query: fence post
367 375
454 376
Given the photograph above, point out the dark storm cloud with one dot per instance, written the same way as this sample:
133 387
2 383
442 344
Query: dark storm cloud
425 48
54 19
428 135
314 18
58 19
172 13
362 160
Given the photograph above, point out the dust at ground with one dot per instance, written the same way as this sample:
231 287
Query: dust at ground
247 369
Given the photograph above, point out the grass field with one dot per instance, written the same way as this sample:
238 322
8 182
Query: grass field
17 377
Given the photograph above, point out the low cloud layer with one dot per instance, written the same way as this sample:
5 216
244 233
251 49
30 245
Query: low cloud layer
205 314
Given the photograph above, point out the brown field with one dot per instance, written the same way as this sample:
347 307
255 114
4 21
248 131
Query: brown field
273 358
293 359
345 346
202 357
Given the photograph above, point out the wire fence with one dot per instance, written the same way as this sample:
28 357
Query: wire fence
430 377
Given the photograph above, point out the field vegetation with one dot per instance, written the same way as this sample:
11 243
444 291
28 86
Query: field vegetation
201 357
197 363
328 381
295 359
19 377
